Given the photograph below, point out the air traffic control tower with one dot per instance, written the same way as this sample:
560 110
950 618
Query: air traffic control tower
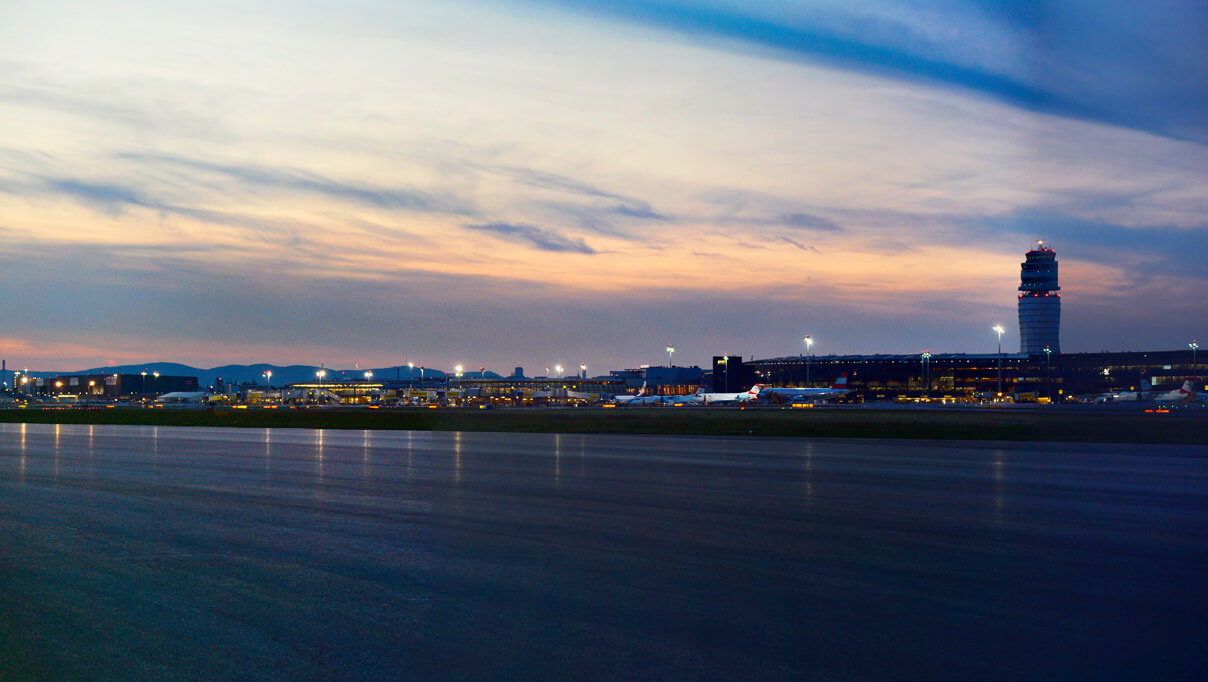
1039 302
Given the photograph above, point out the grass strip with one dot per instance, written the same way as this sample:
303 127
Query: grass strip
986 424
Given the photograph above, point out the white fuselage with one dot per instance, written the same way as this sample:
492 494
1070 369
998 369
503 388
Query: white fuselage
1184 394
719 398
803 394
693 399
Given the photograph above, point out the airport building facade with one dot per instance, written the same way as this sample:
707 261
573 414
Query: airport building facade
961 376
104 386
510 391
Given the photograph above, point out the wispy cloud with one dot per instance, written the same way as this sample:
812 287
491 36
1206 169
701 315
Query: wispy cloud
1042 57
546 240
1138 252
551 181
641 211
806 221
630 224
303 181
98 107
625 206
112 199
797 244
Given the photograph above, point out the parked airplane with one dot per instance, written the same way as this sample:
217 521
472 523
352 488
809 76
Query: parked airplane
806 395
697 398
1147 394
640 399
1184 394
585 397
745 396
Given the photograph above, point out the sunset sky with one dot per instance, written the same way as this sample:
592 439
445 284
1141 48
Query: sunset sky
542 182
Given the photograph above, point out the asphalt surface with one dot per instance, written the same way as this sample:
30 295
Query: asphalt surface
178 553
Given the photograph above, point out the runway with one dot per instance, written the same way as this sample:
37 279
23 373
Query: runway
131 552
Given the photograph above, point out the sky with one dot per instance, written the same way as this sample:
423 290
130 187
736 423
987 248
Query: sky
542 182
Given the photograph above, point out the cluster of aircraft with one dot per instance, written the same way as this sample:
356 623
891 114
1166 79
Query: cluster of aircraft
1184 394
756 393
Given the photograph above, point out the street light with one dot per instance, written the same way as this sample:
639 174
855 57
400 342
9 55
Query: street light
809 343
1194 347
1048 384
998 328
558 369
269 374
927 373
670 350
725 370
144 390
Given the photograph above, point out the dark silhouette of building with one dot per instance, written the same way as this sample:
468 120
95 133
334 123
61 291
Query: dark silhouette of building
731 375
111 386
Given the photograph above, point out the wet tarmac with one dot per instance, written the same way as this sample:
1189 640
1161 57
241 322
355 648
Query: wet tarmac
177 553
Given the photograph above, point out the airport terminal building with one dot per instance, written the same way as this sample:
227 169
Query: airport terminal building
963 376
105 386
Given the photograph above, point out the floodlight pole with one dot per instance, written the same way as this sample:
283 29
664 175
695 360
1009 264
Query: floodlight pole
927 373
999 328
1048 379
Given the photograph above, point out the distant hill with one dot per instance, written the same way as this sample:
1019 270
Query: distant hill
255 374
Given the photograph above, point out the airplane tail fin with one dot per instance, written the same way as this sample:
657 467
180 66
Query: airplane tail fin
755 389
841 382
642 391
